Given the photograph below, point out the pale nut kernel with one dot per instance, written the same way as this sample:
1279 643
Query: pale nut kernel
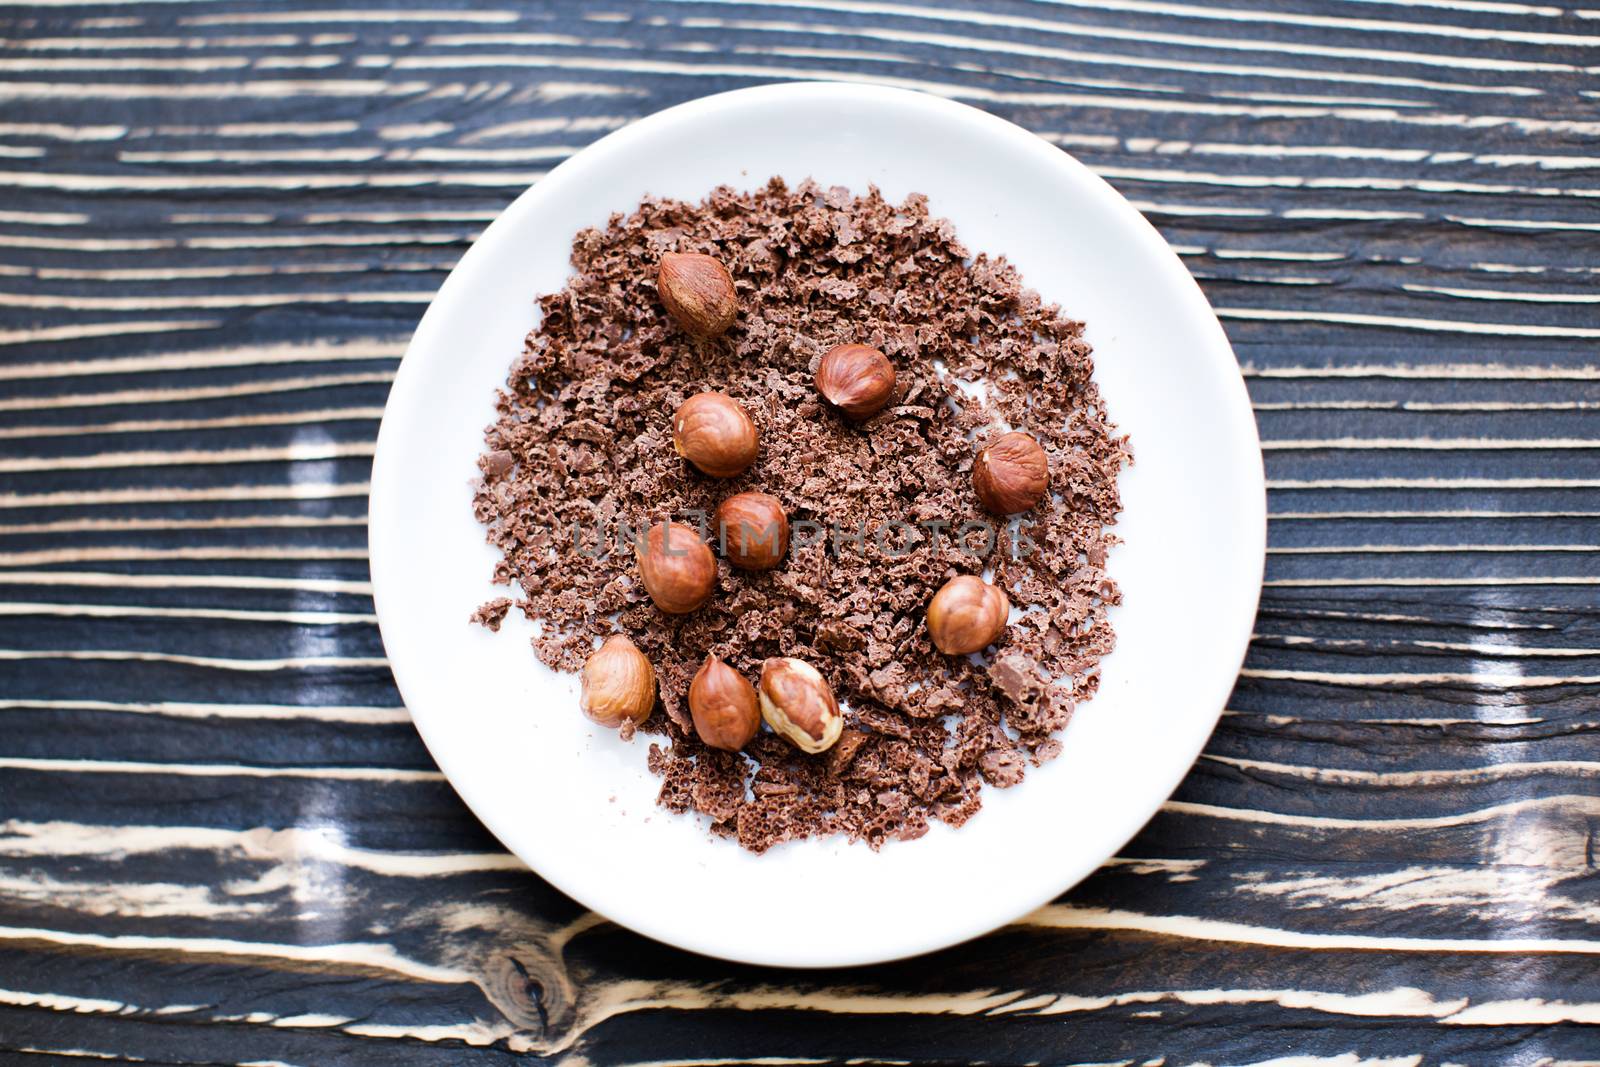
966 615
677 567
698 293
753 531
799 704
712 431
1011 474
724 706
618 683
856 379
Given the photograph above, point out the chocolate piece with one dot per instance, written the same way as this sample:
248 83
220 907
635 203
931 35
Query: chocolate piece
1017 676
493 613
585 407
496 464
844 750
1002 768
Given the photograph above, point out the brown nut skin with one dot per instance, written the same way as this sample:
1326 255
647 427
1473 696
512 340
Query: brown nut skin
713 432
753 531
618 683
856 379
1011 474
698 293
678 569
966 615
799 704
724 706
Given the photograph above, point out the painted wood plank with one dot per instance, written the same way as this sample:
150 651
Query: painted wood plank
220 220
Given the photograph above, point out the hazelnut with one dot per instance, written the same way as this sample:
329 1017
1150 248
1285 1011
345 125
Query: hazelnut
678 569
1011 474
698 293
754 531
618 683
712 431
856 379
798 704
967 614
724 706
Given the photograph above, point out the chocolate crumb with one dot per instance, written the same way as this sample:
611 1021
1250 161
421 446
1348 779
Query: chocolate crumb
1017 676
1002 768
493 613
496 464
844 750
876 510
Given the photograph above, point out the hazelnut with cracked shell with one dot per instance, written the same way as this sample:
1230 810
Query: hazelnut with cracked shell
799 704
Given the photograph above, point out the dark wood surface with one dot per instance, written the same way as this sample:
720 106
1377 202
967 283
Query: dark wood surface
220 838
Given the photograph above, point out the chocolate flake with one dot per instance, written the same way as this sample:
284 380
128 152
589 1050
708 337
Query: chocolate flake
493 613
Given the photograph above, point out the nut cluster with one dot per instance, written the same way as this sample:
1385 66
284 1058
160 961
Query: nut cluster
714 434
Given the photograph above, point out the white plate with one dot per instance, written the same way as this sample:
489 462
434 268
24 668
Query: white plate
575 802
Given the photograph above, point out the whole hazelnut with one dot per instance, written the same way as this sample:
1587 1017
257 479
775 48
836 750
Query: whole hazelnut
723 705
799 705
967 614
753 530
1011 474
678 569
618 682
698 293
712 431
856 379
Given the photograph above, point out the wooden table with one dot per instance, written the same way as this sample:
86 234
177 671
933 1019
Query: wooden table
222 841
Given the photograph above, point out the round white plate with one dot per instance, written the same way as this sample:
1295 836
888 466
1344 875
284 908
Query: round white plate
575 802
